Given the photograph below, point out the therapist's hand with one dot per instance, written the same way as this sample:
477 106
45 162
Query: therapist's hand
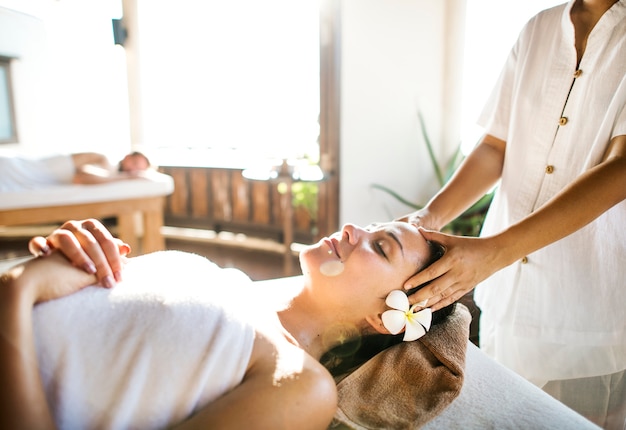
421 218
89 246
466 262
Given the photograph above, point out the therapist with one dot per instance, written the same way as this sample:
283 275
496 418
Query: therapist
551 261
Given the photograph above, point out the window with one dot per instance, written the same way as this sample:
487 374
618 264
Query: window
238 77
8 133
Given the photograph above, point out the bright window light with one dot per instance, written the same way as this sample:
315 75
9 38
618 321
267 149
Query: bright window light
236 75
491 29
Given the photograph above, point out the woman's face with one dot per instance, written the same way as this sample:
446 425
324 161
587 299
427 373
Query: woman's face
354 269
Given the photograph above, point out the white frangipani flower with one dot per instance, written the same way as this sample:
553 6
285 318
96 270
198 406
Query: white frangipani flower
402 315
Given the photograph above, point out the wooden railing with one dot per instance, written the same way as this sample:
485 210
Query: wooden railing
221 199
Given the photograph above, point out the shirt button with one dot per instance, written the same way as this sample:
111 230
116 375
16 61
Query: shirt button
524 260
563 120
577 73
549 169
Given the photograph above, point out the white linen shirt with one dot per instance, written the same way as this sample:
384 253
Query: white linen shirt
559 313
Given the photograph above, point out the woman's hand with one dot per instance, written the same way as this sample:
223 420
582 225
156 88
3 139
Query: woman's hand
42 279
23 403
466 262
89 246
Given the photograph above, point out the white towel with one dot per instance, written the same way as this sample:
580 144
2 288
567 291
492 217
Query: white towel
148 353
25 173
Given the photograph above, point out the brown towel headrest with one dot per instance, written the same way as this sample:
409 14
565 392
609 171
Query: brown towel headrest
408 384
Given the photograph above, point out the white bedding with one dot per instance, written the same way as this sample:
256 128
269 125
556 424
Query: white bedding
492 397
157 184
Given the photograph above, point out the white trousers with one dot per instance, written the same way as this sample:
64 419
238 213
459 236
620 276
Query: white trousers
601 399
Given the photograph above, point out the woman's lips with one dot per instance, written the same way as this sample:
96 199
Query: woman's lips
333 244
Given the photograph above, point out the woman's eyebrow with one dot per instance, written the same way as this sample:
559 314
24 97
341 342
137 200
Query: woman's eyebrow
395 238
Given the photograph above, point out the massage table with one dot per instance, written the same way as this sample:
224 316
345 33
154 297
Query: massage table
491 396
494 397
124 200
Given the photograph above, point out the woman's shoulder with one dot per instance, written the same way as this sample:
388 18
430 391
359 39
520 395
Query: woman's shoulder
284 387
303 380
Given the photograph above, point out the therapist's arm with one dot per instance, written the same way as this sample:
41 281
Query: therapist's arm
474 178
469 261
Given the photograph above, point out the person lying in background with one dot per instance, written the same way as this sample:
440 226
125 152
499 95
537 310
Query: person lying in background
180 342
22 172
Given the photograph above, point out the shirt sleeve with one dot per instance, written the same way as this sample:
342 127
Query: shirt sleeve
620 123
496 113
494 117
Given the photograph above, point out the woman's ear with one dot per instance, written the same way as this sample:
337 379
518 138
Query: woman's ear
377 323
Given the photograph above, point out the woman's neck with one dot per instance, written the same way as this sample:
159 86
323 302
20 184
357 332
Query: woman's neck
313 328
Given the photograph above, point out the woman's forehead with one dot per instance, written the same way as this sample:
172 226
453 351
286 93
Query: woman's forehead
400 227
407 234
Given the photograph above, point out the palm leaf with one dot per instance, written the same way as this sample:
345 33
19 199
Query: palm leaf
470 222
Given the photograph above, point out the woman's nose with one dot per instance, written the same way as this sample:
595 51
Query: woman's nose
353 233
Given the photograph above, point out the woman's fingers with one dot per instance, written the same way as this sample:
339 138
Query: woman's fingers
100 242
38 246
88 245
66 240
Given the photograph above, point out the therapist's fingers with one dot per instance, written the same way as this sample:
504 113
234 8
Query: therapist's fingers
436 269
467 262
442 294
441 289
444 278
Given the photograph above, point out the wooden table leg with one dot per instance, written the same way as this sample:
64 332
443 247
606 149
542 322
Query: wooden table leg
152 238
287 228
126 231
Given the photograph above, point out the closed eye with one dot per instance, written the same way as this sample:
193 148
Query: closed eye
377 244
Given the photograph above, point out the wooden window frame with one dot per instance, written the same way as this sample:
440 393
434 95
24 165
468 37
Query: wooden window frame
5 65
330 120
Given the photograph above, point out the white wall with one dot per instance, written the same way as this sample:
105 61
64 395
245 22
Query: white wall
485 54
441 56
70 84
22 37
393 63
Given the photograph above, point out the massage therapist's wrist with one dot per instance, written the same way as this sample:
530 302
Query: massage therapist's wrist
431 220
506 248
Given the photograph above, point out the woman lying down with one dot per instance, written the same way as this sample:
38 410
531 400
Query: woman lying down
179 342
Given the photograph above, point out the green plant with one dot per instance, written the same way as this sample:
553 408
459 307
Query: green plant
470 222
305 195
